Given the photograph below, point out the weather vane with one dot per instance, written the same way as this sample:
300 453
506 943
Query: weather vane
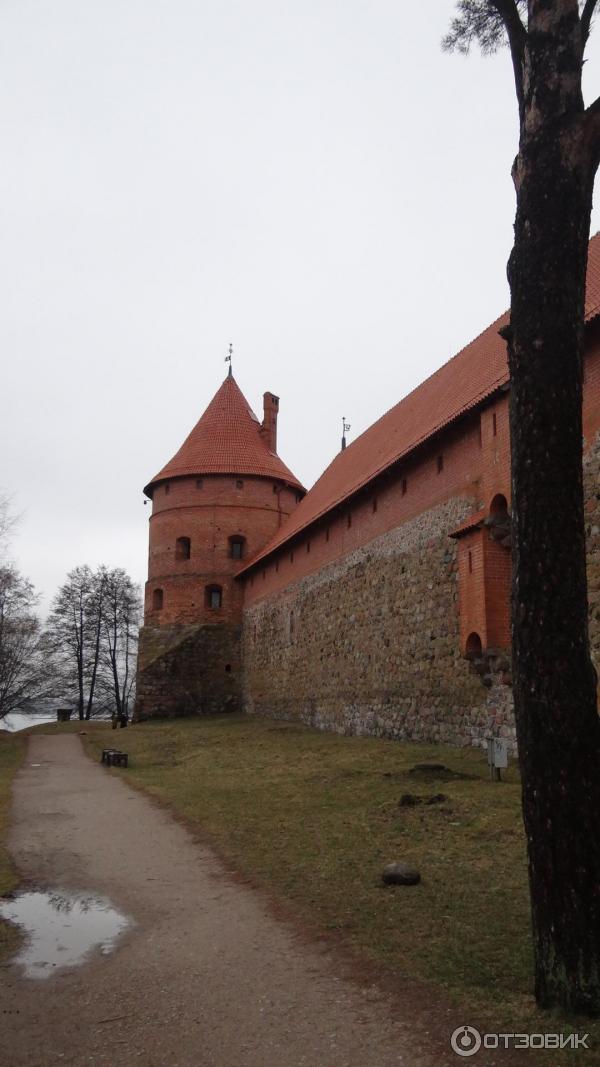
228 359
345 428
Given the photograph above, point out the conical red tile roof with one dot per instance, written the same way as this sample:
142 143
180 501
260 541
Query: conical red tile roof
226 440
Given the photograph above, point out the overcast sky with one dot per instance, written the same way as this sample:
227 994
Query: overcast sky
315 182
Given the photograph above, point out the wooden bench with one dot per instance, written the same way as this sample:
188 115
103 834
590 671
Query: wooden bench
113 758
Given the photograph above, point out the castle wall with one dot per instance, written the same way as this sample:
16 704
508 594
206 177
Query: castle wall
188 670
362 627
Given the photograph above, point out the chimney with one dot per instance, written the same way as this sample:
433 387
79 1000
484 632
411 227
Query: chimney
269 423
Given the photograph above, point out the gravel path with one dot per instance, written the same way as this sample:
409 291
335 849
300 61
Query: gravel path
207 977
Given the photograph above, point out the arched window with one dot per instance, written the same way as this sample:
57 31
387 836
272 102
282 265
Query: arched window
157 599
214 597
473 647
183 548
236 546
499 506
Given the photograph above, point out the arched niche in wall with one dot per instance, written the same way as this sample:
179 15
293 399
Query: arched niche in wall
473 647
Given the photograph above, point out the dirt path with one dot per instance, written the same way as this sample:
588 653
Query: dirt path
206 978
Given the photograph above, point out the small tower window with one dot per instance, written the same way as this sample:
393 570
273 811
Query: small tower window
494 424
349 520
374 505
440 464
167 489
236 547
308 546
404 486
183 548
214 597
239 483
199 483
470 562
327 534
157 600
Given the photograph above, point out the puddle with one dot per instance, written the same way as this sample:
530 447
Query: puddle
62 928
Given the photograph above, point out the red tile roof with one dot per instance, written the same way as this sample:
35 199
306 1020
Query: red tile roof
470 523
460 385
226 440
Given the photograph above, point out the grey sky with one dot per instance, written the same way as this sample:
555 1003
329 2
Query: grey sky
315 181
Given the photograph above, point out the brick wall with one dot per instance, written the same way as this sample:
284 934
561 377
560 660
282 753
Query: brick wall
209 511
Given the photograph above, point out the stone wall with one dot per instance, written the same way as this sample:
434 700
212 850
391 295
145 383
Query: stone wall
188 670
370 644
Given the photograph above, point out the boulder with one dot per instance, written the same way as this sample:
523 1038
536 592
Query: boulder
400 874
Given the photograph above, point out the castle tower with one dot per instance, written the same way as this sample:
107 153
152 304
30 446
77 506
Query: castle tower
215 505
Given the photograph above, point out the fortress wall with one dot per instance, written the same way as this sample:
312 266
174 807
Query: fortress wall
370 644
188 670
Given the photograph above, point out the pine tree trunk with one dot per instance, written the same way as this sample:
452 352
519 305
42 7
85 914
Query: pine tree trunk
558 729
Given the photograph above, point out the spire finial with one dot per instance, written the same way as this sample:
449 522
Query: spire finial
345 427
228 360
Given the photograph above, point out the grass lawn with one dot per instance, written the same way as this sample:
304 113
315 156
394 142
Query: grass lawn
313 817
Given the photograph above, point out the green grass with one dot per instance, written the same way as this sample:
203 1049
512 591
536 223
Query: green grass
313 817
12 752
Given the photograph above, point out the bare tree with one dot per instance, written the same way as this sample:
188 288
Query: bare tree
121 612
22 676
74 634
558 729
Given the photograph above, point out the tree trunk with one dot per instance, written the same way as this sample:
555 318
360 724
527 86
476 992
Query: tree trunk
554 680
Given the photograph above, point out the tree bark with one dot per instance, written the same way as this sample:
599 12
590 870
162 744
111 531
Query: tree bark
558 730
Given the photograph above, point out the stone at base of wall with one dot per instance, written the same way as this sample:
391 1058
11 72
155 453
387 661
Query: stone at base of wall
188 670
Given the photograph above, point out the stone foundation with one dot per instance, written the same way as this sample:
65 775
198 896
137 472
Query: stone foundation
188 670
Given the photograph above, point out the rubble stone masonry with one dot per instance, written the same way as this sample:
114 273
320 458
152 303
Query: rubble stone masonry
370 644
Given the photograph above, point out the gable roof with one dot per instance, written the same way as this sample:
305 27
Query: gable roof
226 440
461 384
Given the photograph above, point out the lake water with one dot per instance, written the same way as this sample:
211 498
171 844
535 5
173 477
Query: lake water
19 721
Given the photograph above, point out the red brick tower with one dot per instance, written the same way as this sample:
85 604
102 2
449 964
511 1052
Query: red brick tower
215 505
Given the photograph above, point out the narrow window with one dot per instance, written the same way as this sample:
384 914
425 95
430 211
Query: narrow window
236 547
470 562
440 464
479 434
291 557
183 548
494 424
276 566
264 575
214 597
327 534
199 483
157 600
228 668
349 520
239 484
374 504
308 546
167 489
404 487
